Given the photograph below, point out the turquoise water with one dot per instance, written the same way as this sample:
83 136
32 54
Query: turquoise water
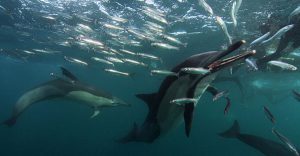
61 127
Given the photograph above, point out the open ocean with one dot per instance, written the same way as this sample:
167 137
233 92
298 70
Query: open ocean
38 36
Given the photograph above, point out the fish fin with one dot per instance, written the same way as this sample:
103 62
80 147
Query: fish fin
147 98
10 122
232 132
96 113
212 90
68 74
188 117
131 136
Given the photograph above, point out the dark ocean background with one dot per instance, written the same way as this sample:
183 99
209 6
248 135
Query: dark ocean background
60 128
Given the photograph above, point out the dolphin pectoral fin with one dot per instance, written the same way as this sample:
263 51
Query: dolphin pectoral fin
68 74
188 117
96 113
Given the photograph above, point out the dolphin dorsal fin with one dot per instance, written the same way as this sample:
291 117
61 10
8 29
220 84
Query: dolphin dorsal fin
147 98
68 74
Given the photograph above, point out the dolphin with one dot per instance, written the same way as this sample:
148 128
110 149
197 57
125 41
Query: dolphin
68 88
265 146
164 116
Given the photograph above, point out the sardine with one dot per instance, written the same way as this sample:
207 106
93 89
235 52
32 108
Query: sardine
233 15
134 62
164 46
118 73
252 64
102 61
199 70
74 60
183 101
224 28
114 59
148 56
286 141
269 115
279 33
260 39
206 6
283 65
163 72
220 94
173 39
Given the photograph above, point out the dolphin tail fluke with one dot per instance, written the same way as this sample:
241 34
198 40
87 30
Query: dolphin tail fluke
131 136
10 122
232 132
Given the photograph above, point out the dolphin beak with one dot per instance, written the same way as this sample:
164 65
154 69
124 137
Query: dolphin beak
220 64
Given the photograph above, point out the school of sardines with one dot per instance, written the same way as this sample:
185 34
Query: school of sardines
114 42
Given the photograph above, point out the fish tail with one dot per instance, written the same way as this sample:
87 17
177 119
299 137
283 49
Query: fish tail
10 122
232 132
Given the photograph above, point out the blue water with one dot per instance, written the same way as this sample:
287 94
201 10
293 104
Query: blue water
60 127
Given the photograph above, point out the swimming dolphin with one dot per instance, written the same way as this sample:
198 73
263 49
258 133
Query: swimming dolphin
71 89
265 146
163 115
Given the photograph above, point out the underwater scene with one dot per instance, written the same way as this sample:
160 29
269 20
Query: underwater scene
150 77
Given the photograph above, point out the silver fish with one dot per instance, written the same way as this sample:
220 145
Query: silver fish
164 46
286 141
206 6
283 65
163 72
200 70
183 101
233 15
224 28
279 33
102 61
260 39
134 62
220 94
114 59
252 64
118 73
74 60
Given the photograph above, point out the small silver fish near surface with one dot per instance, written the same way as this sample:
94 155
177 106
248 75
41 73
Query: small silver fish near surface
118 73
163 72
164 46
251 64
221 94
74 60
200 70
283 65
102 61
183 101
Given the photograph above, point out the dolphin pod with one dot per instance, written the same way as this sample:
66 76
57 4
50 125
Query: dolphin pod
68 88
